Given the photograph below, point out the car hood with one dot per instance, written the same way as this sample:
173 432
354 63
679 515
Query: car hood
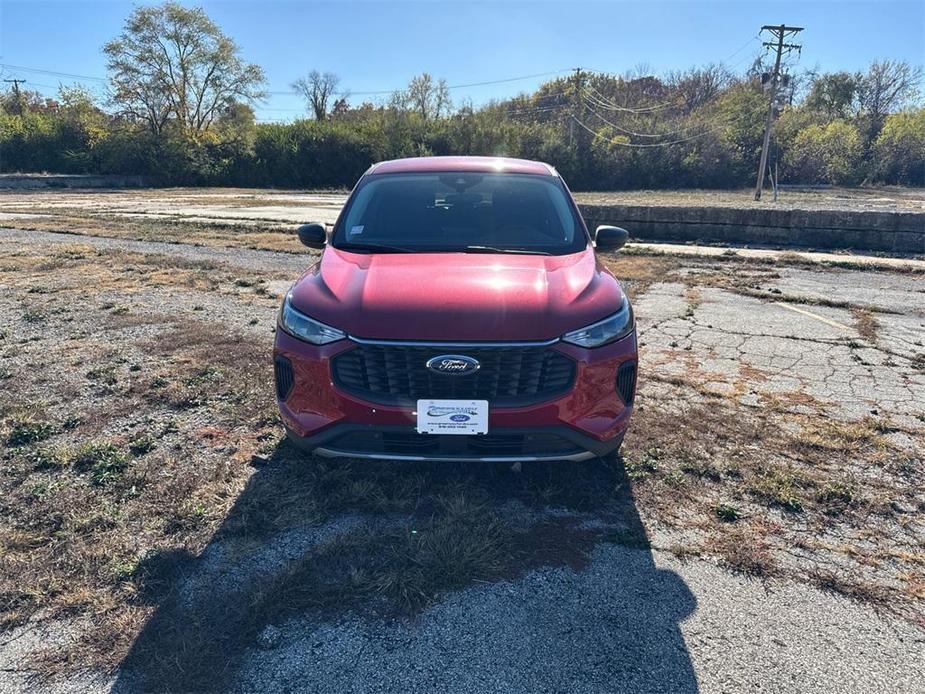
456 296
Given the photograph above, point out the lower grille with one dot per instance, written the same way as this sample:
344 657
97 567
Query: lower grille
508 376
282 368
626 381
487 445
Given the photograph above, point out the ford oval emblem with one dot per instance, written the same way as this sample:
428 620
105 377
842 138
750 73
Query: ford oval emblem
453 365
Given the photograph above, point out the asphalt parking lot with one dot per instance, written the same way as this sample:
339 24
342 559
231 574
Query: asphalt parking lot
763 531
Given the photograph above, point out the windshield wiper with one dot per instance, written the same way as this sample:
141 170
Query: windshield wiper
492 249
375 247
381 248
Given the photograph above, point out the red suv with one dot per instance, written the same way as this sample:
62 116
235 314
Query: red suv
458 312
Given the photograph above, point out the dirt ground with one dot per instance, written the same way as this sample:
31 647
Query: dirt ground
157 532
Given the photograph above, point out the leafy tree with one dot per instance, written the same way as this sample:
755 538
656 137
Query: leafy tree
740 112
835 94
791 121
172 63
19 102
317 90
829 153
82 127
341 107
899 151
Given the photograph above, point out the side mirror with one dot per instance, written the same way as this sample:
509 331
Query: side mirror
313 235
610 238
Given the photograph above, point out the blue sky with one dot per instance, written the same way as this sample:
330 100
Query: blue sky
379 46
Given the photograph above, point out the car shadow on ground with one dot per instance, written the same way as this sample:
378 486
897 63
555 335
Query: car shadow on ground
384 545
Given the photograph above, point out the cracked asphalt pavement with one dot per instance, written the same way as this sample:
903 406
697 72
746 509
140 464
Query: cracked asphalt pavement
780 347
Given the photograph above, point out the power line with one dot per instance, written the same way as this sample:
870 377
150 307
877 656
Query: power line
646 145
535 107
739 50
535 111
380 92
509 79
72 75
597 99
46 86
608 105
635 134
53 72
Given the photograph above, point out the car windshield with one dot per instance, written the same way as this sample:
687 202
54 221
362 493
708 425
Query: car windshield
460 212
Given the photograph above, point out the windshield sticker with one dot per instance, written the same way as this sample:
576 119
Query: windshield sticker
358 229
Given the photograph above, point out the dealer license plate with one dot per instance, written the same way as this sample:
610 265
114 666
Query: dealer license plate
452 417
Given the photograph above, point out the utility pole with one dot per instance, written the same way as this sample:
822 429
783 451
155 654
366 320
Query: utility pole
780 33
17 94
576 107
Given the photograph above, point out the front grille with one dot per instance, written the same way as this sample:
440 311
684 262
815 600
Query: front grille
508 376
626 381
282 367
484 446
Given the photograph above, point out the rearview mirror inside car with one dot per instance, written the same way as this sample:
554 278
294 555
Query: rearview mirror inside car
610 238
313 235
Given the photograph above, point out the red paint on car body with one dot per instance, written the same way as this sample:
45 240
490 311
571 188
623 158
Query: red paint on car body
457 297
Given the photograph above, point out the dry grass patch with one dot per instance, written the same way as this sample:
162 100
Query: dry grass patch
638 272
745 550
123 271
838 436
851 587
270 236
694 298
866 324
706 467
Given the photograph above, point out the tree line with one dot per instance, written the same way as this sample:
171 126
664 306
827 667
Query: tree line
180 111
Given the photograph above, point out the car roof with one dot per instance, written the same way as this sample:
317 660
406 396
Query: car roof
474 164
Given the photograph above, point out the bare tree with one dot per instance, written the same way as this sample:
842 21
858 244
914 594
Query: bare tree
171 63
888 86
698 86
317 90
428 97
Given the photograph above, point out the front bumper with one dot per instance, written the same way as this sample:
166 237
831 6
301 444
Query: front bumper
587 421
403 443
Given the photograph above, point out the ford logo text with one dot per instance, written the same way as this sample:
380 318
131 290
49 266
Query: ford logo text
453 365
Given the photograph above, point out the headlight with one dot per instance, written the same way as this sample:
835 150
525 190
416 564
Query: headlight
301 326
617 326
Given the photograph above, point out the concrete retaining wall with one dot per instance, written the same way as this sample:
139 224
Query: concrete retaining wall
893 232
